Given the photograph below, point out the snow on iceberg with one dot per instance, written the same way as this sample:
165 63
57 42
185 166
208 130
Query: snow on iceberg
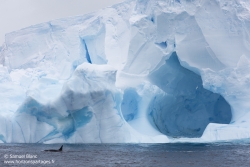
139 71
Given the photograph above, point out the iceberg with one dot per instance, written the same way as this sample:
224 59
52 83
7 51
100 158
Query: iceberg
142 71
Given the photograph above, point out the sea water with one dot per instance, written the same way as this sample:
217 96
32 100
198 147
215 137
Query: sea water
141 155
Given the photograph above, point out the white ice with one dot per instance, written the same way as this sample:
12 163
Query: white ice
109 77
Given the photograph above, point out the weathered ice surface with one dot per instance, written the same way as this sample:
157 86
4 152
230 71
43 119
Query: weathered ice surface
142 71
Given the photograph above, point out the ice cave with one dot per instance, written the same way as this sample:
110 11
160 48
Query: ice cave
142 71
188 108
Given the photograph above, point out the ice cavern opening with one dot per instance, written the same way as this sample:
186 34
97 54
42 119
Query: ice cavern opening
187 108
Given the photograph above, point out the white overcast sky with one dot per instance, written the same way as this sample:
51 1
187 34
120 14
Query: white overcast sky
17 14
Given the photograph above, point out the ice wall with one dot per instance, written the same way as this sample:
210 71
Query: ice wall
109 76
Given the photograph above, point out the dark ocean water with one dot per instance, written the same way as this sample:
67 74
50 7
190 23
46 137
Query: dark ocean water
141 155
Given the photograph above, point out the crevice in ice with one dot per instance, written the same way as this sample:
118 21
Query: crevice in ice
21 131
178 1
87 53
152 20
187 108
129 105
162 45
2 138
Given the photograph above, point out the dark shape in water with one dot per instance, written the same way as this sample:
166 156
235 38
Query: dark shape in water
59 150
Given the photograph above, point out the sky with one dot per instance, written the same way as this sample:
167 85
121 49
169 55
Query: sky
18 14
